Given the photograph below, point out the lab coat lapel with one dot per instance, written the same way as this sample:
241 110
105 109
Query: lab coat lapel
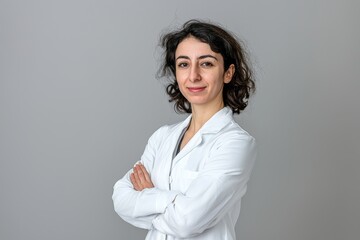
194 142
213 125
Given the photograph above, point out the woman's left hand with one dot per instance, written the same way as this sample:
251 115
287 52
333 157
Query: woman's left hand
140 178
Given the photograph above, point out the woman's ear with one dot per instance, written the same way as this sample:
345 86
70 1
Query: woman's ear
229 73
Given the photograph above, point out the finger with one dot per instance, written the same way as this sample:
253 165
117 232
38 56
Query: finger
137 179
146 174
147 180
133 181
140 173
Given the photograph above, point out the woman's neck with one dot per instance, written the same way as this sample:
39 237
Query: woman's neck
201 114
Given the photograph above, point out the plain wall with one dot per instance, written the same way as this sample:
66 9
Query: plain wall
79 99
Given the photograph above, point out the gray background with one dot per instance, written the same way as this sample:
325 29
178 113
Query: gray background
78 101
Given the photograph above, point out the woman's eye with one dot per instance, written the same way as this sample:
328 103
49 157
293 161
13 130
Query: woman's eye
206 64
182 65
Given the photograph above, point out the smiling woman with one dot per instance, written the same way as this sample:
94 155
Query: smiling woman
193 174
200 74
235 92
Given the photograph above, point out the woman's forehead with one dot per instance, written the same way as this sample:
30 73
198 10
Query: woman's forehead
193 47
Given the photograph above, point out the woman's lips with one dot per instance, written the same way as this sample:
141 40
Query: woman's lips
196 89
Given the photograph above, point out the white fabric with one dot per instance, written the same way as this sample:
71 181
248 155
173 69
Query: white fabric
208 179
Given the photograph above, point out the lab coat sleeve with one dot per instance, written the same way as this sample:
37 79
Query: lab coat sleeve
139 208
220 185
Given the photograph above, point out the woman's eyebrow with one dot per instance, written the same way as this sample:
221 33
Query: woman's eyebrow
181 56
201 57
207 56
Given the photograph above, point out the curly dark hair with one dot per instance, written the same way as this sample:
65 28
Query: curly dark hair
235 93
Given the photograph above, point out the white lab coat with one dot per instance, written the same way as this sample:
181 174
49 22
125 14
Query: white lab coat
197 194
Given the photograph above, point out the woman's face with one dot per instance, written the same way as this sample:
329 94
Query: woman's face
200 73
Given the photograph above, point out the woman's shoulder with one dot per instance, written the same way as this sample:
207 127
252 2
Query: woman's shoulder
236 129
234 133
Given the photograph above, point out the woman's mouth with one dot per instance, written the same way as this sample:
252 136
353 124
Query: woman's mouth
196 89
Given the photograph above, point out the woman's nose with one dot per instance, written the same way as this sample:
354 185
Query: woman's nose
194 74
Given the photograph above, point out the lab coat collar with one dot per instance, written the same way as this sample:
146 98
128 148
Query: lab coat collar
217 122
214 124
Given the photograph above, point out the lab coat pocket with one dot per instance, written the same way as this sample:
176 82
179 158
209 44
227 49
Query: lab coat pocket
187 177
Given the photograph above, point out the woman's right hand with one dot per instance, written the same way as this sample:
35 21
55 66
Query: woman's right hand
140 178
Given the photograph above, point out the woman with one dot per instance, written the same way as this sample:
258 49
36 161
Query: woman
192 175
